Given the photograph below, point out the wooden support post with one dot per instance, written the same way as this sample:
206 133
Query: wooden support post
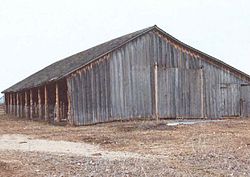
46 108
57 106
9 98
6 103
20 105
17 105
156 91
26 110
39 104
9 95
9 103
69 116
31 105
23 114
10 108
14 104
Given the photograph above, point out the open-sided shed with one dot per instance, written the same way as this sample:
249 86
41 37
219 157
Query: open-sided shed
145 74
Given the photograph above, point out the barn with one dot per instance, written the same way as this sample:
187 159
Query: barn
146 74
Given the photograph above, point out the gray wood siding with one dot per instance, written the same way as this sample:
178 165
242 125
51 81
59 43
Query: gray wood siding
89 91
245 100
130 80
177 96
230 100
116 87
121 85
170 55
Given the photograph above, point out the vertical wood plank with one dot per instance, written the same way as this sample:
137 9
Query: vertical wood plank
202 94
156 91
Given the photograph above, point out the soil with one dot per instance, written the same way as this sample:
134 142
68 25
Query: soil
133 148
18 142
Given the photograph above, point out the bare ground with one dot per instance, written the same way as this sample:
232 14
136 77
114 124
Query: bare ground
204 149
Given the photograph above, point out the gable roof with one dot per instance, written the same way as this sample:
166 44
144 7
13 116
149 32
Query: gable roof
66 66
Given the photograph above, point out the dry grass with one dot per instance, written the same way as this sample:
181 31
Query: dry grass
208 149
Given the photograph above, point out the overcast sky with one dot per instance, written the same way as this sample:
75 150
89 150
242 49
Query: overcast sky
36 33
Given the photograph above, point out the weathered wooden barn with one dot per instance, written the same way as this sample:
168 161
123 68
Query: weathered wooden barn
145 74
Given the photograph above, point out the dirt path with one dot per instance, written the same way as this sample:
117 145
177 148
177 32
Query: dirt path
220 148
23 155
28 144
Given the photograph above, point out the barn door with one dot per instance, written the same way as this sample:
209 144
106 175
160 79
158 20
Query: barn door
230 100
180 93
245 100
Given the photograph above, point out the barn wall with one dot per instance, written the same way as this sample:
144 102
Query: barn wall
170 55
89 94
115 87
130 69
121 84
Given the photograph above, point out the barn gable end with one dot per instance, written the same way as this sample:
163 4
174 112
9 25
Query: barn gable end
220 86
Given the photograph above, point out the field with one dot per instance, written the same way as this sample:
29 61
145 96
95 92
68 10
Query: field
133 148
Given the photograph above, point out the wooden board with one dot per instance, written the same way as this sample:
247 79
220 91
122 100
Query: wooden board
230 100
180 93
245 100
